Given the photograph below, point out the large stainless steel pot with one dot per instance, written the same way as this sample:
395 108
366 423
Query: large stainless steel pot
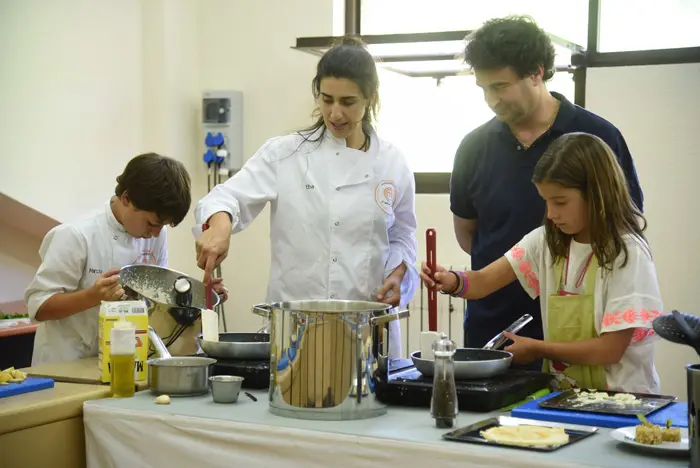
177 376
322 359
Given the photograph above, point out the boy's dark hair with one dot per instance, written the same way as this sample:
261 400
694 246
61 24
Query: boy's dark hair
157 184
513 41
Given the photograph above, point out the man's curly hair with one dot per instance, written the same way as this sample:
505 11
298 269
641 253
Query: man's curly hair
513 41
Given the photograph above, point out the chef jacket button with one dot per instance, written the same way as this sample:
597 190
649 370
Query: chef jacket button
337 154
332 296
335 259
337 223
337 189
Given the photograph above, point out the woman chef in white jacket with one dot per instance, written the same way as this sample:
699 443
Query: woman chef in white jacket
343 222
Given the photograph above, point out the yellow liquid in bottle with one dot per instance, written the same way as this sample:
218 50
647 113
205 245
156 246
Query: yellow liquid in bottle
122 372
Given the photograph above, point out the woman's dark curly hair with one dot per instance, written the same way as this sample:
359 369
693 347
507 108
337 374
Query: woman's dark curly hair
513 41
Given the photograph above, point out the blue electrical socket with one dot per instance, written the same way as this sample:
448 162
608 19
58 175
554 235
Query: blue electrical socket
209 156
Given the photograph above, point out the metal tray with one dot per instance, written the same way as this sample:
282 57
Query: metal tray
648 404
472 433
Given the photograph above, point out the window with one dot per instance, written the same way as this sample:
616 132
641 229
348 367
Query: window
568 18
427 118
670 24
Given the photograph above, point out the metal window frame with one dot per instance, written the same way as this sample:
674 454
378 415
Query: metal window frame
590 57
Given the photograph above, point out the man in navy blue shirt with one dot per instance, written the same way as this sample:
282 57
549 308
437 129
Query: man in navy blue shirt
492 198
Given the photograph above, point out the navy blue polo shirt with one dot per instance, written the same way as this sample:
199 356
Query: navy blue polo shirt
492 183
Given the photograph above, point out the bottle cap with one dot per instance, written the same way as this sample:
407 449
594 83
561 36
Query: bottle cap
444 347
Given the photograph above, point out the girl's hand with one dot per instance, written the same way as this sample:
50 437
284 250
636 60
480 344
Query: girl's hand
525 350
441 279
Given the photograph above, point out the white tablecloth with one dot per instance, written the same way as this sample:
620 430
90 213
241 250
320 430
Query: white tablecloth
137 433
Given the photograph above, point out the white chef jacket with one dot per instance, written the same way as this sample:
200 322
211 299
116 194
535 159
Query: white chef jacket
341 220
73 256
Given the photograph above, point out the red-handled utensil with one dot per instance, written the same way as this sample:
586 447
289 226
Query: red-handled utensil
208 286
430 241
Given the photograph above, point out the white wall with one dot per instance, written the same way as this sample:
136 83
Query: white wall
657 108
70 93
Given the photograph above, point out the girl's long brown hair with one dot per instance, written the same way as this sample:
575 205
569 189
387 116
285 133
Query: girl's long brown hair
585 162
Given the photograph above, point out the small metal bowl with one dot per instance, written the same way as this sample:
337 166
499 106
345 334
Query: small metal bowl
225 388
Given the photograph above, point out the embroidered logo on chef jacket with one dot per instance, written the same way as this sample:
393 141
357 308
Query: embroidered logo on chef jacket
146 257
384 195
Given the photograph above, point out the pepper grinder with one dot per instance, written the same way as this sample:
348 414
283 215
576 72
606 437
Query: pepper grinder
443 405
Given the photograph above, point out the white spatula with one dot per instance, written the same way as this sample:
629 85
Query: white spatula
210 319
210 325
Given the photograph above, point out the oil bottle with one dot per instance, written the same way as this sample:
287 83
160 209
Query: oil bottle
122 356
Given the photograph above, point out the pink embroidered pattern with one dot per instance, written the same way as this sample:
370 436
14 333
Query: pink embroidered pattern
641 333
629 316
518 253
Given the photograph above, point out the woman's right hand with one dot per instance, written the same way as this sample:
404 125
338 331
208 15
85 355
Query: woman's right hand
212 246
441 279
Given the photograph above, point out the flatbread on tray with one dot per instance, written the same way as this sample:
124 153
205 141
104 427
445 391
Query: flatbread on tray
527 436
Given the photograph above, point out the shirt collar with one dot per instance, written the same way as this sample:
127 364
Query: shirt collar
565 115
111 219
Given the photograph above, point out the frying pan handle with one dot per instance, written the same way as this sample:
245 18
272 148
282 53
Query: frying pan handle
263 310
498 340
389 317
161 349
431 244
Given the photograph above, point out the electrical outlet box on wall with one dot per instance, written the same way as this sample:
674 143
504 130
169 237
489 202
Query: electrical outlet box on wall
222 125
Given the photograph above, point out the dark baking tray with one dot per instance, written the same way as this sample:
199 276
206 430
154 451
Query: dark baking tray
650 403
472 433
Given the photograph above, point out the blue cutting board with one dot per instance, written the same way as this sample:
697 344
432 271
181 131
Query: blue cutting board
30 384
677 412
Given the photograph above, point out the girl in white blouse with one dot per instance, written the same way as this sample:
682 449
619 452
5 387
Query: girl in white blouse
592 268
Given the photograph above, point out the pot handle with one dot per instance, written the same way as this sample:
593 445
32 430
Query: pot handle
263 310
161 349
389 317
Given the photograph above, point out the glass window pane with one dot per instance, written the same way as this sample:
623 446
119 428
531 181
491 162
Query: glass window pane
565 18
427 122
648 24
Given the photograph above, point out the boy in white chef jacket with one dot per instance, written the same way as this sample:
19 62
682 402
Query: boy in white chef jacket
343 220
81 260
592 268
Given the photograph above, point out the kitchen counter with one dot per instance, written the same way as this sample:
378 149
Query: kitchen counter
18 329
81 371
194 429
52 417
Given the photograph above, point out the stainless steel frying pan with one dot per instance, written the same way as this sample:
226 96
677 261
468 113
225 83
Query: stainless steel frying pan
238 346
477 363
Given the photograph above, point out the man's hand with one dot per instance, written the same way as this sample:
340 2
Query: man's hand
212 246
106 287
390 291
